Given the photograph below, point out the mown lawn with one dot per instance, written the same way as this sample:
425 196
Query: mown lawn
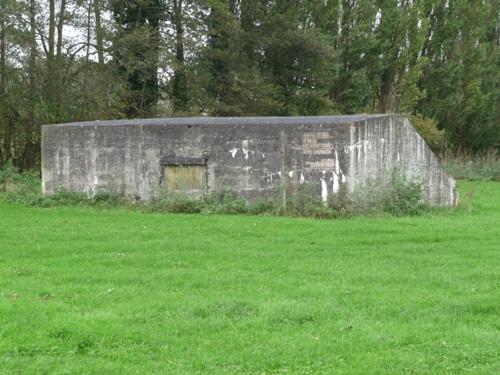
109 291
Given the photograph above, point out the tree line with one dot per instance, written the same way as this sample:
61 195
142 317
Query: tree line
73 60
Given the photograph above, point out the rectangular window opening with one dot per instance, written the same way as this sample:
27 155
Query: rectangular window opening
184 177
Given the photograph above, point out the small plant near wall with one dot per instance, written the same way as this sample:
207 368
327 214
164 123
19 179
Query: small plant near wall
428 129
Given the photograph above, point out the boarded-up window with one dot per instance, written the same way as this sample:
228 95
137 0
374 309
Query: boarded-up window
184 177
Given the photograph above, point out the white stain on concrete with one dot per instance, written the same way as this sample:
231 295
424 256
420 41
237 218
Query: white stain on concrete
93 189
336 173
337 164
336 184
324 189
244 147
273 176
366 146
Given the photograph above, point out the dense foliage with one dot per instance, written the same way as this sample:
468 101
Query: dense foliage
68 60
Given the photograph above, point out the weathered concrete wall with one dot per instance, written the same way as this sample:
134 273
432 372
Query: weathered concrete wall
248 155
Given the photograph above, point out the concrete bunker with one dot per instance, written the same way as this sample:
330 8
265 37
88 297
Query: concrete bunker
251 156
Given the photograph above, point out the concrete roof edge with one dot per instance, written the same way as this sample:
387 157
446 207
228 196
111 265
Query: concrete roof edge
271 120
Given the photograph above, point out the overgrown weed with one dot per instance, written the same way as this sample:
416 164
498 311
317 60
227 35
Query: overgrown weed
482 167
396 196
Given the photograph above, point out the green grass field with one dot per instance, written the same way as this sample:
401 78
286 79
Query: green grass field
111 291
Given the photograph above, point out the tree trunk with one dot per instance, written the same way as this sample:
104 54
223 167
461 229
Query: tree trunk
60 25
385 91
3 54
54 60
98 33
153 94
179 84
31 146
5 122
50 85
52 29
87 50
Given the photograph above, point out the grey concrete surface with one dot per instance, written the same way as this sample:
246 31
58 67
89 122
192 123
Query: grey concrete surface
251 156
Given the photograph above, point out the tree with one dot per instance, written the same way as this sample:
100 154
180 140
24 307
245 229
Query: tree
438 60
355 87
136 51
463 75
231 83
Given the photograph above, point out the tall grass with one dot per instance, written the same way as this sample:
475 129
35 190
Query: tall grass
483 167
12 181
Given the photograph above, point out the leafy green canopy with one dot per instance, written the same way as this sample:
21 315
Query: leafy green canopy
437 60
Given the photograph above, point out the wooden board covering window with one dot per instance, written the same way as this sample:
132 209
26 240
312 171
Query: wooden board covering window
184 177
